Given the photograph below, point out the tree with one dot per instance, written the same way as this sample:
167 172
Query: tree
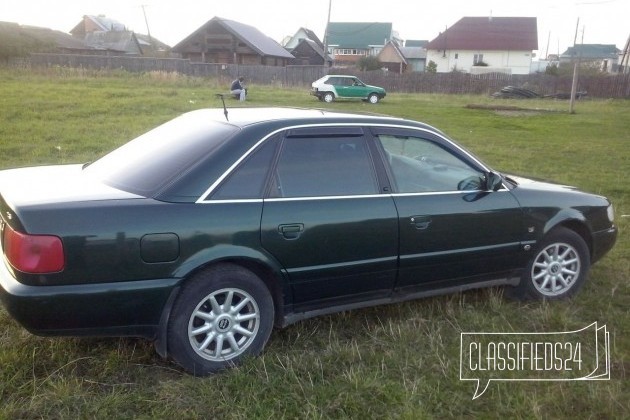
431 67
14 42
368 62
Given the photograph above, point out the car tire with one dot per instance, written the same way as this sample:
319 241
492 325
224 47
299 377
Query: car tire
329 97
222 315
373 98
558 268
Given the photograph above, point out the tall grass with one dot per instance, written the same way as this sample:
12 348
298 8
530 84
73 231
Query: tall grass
390 361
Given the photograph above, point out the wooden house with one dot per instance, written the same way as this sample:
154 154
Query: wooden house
226 41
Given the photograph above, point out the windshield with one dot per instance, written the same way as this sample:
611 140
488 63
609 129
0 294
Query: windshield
148 163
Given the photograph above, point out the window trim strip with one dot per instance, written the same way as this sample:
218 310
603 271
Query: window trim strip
203 199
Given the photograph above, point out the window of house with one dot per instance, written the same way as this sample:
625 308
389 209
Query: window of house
478 58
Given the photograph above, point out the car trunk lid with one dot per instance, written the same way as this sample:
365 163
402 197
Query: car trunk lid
54 184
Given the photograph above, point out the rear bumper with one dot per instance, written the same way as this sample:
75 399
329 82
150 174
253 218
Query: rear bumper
104 309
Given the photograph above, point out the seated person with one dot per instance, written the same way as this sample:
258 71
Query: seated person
238 89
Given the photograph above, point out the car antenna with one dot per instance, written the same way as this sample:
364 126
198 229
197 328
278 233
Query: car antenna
225 111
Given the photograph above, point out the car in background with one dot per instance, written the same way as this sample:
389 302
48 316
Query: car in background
205 232
332 87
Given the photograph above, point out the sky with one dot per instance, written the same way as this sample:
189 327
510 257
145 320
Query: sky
170 21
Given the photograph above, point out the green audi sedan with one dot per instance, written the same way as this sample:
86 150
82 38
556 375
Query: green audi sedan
206 232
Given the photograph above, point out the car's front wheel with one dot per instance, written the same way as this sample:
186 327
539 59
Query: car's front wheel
329 97
373 98
220 316
558 268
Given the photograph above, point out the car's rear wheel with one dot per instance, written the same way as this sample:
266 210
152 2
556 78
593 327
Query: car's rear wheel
558 268
329 97
373 98
221 315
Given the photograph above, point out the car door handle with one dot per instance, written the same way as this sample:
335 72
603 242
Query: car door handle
421 222
291 231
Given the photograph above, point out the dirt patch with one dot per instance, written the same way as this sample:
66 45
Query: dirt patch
511 110
522 113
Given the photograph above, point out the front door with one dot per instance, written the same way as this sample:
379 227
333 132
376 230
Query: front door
452 231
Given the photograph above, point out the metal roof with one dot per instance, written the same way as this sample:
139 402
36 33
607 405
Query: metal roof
416 42
591 51
123 41
358 34
251 36
106 23
489 33
413 52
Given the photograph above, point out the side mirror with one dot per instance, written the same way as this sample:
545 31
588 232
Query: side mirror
493 181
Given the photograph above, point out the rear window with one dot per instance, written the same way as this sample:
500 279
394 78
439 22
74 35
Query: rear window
148 163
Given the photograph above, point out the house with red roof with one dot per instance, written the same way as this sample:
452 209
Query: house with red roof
486 45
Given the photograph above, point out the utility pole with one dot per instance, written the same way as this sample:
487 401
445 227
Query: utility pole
623 64
326 36
576 66
146 22
547 49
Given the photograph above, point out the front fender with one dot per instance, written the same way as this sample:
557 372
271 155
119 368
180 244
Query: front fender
564 217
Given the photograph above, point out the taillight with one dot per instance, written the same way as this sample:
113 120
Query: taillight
35 254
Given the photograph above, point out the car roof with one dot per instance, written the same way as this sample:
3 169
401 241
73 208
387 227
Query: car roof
251 125
247 116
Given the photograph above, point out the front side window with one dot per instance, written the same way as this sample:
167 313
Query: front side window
420 165
324 166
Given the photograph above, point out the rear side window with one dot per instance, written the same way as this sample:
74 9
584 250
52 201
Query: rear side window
148 163
324 166
248 180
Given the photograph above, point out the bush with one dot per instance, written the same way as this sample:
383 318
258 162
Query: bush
368 63
552 70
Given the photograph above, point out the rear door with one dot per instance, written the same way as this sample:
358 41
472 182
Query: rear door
326 222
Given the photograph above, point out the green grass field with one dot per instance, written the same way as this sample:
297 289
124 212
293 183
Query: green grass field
390 361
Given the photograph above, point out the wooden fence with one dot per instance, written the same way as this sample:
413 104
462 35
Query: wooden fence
602 86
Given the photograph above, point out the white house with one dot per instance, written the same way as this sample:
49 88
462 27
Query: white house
302 33
486 44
